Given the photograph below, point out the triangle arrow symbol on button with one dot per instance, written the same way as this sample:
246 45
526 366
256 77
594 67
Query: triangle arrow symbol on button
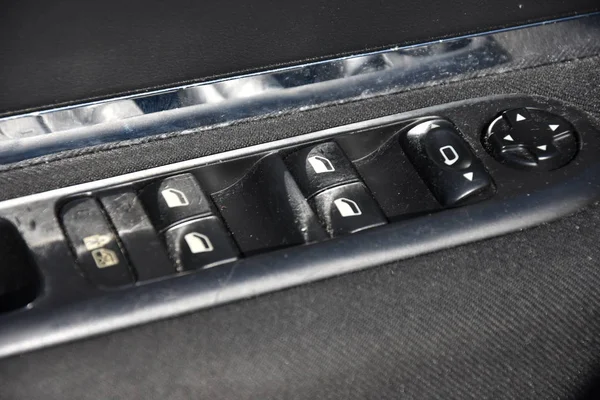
509 138
544 147
520 118
553 127
469 176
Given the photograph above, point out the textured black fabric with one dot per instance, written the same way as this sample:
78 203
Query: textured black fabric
56 52
516 317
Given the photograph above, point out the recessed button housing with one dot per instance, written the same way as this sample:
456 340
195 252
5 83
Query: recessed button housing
175 199
531 139
200 244
347 209
445 162
138 236
265 208
320 167
96 247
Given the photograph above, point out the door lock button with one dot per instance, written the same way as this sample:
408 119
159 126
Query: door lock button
320 167
200 244
175 199
95 245
347 209
445 162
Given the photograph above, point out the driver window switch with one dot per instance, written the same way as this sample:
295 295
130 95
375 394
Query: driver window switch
174 199
347 209
320 167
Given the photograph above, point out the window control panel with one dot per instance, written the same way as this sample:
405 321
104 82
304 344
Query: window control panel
213 215
157 243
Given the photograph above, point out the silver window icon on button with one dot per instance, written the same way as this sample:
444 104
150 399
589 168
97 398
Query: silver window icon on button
347 207
175 198
198 243
320 164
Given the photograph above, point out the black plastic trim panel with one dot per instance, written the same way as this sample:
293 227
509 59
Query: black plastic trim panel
70 308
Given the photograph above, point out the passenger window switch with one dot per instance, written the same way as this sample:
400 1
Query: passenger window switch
200 244
175 199
347 209
320 167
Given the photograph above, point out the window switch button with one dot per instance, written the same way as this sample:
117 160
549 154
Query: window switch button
320 167
175 199
95 245
347 209
200 244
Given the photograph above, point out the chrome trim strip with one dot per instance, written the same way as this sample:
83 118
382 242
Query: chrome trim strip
224 101
197 162
158 92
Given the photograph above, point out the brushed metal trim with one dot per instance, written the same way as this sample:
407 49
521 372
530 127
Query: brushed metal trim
224 101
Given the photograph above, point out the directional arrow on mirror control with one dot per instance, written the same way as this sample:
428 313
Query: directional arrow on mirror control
469 176
530 138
